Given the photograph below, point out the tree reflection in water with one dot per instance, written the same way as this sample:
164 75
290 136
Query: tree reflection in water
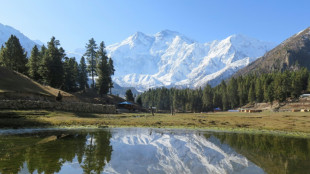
46 152
275 154
50 151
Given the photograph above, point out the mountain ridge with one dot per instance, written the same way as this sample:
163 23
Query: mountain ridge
169 59
292 53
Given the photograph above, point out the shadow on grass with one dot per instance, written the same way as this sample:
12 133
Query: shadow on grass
86 115
16 123
21 119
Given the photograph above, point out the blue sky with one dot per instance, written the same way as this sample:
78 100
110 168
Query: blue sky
74 22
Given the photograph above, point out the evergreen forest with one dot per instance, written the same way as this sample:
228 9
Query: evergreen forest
231 94
49 65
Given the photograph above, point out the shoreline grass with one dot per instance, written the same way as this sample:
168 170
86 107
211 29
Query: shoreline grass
280 123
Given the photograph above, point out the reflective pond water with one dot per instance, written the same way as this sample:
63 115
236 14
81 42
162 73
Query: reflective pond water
138 150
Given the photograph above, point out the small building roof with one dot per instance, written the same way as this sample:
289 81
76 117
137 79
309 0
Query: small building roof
125 103
217 109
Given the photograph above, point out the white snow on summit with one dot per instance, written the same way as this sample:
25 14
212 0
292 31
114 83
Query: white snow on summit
155 152
5 33
170 59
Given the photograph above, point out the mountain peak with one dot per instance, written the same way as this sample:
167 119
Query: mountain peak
170 35
165 33
139 34
169 58
240 38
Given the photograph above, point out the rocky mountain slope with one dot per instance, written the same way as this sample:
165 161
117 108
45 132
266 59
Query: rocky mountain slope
7 31
171 59
290 54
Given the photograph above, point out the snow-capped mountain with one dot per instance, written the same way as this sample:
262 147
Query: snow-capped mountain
5 33
170 59
154 152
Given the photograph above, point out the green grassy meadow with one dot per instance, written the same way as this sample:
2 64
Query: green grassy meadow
285 122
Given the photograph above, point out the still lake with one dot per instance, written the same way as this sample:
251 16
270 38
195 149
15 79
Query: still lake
146 150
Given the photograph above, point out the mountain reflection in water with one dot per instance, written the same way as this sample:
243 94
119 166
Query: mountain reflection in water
151 151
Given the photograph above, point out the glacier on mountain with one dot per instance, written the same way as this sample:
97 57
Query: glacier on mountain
171 59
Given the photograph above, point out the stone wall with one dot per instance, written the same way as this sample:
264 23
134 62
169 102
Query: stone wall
62 106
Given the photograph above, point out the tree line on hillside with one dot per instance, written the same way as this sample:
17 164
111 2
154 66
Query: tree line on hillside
237 92
51 66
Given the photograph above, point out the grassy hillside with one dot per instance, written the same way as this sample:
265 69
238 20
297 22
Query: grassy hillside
18 86
11 81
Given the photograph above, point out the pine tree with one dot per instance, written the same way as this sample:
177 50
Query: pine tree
52 65
267 82
251 96
90 54
197 106
279 88
34 64
43 49
297 84
70 74
304 73
13 56
139 100
308 86
129 95
217 98
233 93
241 91
225 100
259 90
270 93
82 78
2 56
102 70
207 98
111 73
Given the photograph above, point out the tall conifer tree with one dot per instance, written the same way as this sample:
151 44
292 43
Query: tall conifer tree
233 92
82 80
259 90
251 95
207 98
70 74
91 51
34 64
129 95
13 55
102 70
52 65
111 73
